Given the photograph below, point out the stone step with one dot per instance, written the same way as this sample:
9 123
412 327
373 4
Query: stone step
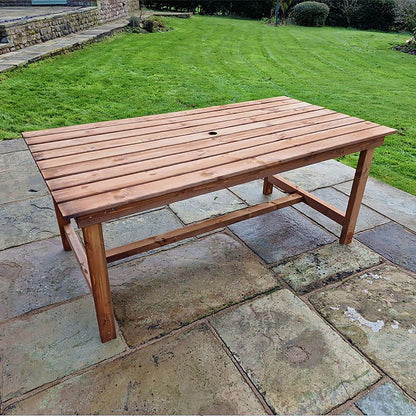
12 60
21 33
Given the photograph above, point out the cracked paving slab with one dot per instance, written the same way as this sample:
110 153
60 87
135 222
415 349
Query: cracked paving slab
376 311
26 221
36 275
298 363
187 374
155 294
325 265
51 344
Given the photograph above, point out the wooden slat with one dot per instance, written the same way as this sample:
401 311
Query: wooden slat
128 138
32 136
194 152
97 215
103 135
200 227
313 201
79 251
231 153
149 148
251 168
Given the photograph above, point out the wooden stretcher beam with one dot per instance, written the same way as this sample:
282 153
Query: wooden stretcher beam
79 251
201 227
313 201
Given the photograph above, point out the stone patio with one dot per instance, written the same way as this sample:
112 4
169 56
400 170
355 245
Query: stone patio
268 316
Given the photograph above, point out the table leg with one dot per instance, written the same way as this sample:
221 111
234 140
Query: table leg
61 222
97 263
267 187
356 195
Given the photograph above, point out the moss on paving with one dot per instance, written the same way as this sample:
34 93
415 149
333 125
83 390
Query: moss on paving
210 60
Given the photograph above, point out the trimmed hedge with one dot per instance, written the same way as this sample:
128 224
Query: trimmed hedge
361 14
405 15
255 9
310 13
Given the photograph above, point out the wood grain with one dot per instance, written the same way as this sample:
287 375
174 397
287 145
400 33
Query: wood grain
200 227
97 264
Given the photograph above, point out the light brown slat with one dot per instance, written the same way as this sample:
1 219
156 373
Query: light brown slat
150 149
313 201
31 135
126 138
187 182
79 251
102 135
103 215
231 153
152 142
200 227
196 152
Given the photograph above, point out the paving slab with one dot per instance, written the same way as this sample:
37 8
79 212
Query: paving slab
389 201
394 243
41 348
26 221
16 161
376 311
6 67
327 264
299 363
351 410
281 234
155 294
386 400
367 218
187 374
206 206
320 175
137 227
18 185
9 146
252 193
36 275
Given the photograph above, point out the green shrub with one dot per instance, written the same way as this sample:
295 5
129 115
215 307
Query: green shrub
255 9
374 14
310 13
341 12
405 15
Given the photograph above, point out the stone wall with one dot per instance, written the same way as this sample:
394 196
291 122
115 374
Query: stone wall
114 9
15 3
26 32
36 30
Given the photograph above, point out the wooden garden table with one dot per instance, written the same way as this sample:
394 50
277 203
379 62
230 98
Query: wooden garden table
103 171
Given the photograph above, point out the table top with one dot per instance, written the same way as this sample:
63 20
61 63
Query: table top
119 167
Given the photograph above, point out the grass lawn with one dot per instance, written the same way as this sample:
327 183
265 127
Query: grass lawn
209 60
